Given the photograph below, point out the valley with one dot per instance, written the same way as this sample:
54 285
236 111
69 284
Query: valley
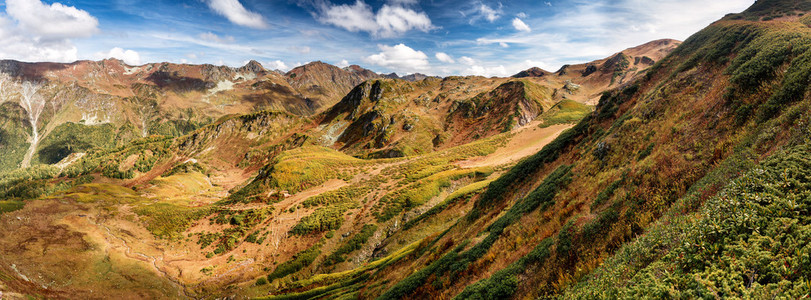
668 170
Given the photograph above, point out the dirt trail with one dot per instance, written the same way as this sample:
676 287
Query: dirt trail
527 141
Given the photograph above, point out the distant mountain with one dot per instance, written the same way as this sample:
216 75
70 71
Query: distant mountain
323 84
395 117
409 77
531 72
158 98
585 82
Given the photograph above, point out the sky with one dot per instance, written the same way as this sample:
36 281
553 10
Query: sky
434 37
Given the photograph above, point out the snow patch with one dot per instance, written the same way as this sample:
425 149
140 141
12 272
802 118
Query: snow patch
69 160
91 119
245 76
132 70
222 86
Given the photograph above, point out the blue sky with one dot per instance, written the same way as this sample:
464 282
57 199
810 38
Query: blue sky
437 37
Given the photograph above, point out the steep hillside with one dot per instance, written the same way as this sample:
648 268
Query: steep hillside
691 183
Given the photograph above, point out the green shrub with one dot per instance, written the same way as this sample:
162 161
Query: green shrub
261 281
297 263
322 219
606 194
355 243
503 283
645 152
750 240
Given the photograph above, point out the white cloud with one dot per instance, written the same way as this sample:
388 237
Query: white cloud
343 64
467 60
55 21
590 30
444 57
500 71
390 20
484 11
237 14
129 57
520 25
522 15
211 37
33 31
278 65
400 58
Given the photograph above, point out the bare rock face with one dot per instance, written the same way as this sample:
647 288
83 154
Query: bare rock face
590 69
252 67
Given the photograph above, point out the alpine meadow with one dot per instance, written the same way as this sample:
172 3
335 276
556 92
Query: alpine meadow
277 154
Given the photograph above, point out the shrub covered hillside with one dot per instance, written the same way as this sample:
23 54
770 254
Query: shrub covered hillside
692 182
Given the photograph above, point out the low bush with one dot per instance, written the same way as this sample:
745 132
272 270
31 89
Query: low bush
300 261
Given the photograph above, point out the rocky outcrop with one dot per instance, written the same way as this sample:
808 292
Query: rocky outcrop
531 72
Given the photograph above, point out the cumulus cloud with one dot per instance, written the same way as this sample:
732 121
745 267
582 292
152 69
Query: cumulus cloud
278 65
35 31
55 21
476 67
237 14
520 25
211 37
499 70
444 57
343 63
129 57
390 20
400 58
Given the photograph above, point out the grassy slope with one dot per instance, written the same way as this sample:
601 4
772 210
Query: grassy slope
691 114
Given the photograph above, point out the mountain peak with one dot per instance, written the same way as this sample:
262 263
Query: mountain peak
531 72
253 66
777 8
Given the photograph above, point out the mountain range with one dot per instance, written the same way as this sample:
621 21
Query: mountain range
667 170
